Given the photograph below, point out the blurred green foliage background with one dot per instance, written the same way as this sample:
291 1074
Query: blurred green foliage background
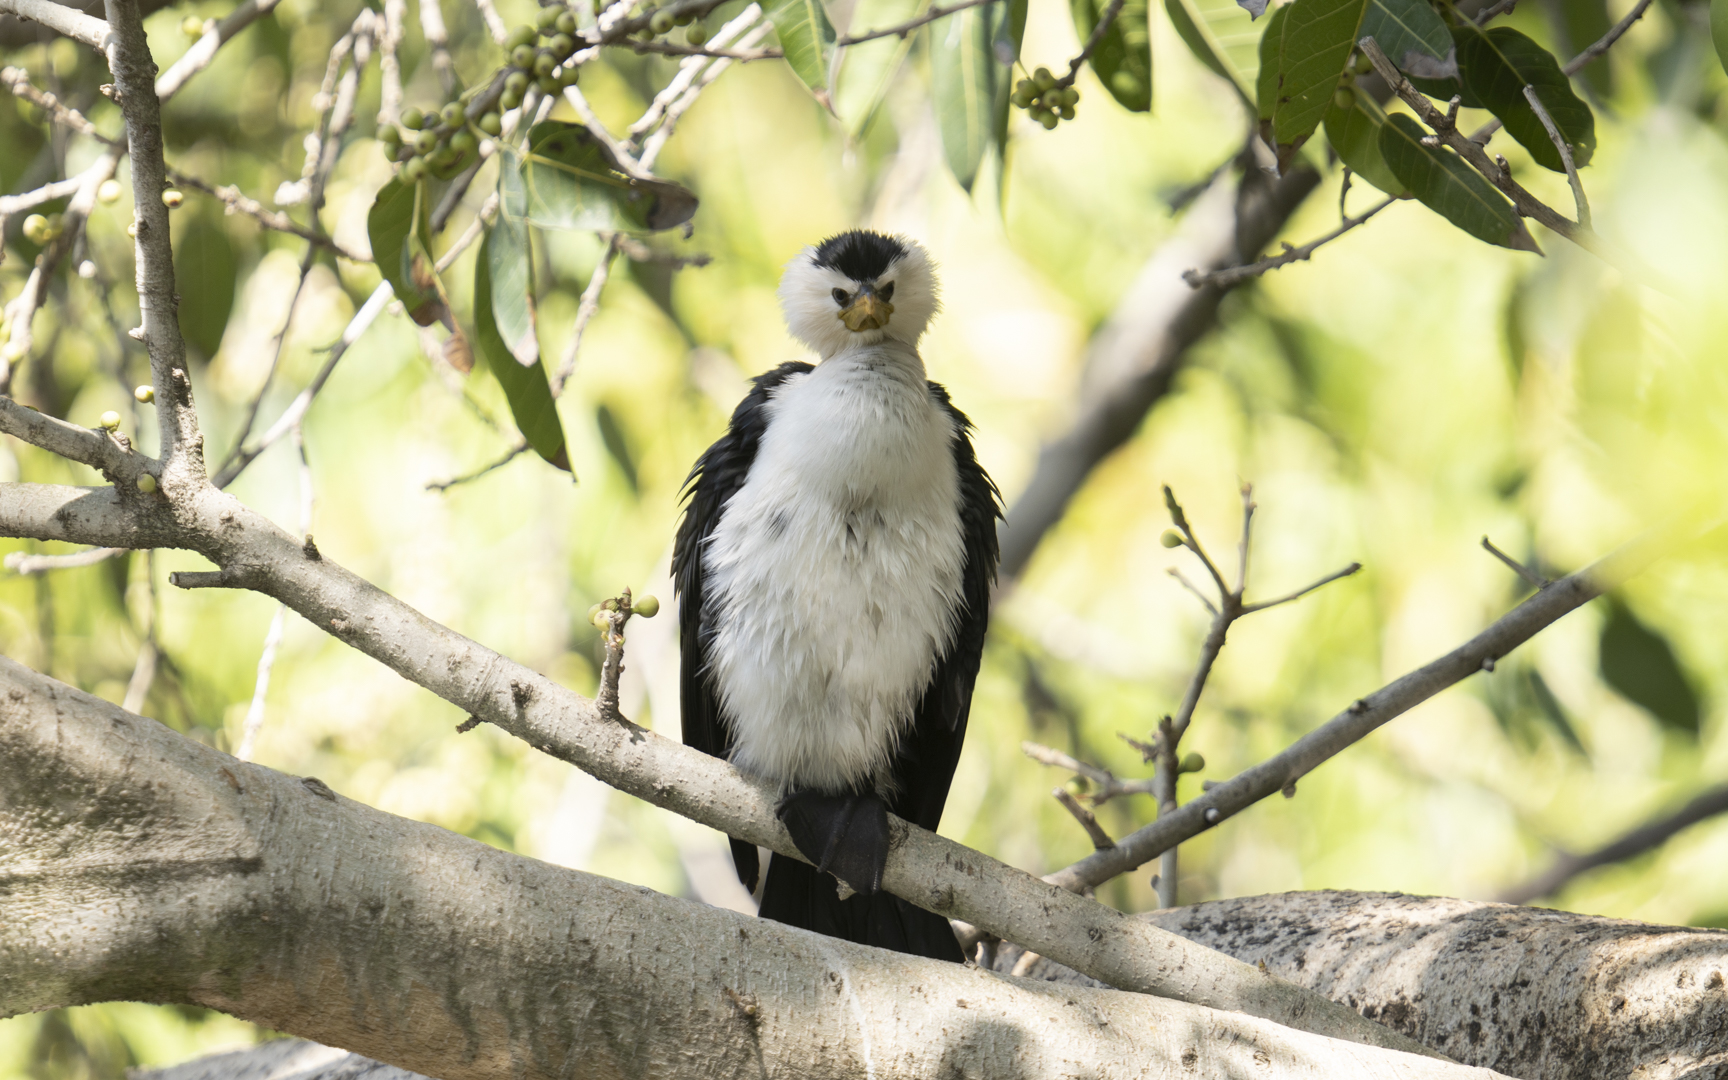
1404 393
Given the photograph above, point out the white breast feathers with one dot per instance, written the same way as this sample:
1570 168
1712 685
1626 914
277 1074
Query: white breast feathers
833 576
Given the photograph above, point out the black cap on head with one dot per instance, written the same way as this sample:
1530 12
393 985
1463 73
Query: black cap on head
861 255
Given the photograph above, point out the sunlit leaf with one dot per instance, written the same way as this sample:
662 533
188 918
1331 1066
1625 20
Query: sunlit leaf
1640 665
1497 64
1303 57
204 271
1449 187
867 69
570 181
612 436
807 40
1354 133
396 227
1123 58
1410 33
525 387
965 76
508 266
1222 36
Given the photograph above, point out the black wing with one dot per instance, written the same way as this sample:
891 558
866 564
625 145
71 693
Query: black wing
931 750
715 478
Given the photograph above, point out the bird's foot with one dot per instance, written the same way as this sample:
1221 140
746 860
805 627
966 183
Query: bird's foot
844 835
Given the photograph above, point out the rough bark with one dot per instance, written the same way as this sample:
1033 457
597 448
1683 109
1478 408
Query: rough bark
142 865
1545 995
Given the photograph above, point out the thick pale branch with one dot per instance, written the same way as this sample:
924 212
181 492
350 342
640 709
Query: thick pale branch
186 876
926 869
61 19
216 34
1361 718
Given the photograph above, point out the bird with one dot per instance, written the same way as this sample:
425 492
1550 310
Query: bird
833 569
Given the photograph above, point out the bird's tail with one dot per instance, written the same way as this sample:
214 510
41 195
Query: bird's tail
798 894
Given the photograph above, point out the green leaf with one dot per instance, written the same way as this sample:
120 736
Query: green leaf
1123 58
525 388
204 271
1640 665
509 269
1719 29
1307 47
1497 64
867 69
807 39
396 227
1220 35
569 180
1449 187
612 436
1354 133
965 80
1406 31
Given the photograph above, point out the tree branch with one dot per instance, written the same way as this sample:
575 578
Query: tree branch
194 878
1363 717
1235 275
926 869
61 19
1647 837
216 34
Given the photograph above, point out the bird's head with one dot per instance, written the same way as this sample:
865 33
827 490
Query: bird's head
858 288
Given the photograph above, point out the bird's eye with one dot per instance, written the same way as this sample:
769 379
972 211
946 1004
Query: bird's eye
886 292
840 296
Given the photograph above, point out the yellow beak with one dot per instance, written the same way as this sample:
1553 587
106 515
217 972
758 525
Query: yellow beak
868 312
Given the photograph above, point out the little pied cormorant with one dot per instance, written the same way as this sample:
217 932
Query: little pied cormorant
833 571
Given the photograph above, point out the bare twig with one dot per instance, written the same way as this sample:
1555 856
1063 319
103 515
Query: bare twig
1606 41
1089 821
470 234
389 68
1235 275
296 411
936 12
1362 717
216 34
1249 609
1565 150
494 22
585 310
1106 785
1193 588
261 685
18 81
25 562
1646 837
1518 568
509 456
1504 7
237 202
1105 18
438 40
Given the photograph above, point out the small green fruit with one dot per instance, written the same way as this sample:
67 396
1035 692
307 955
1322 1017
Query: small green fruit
683 18
425 141
391 136
36 229
566 23
1043 79
548 84
1048 120
452 114
543 64
1363 65
1071 96
147 483
602 621
144 394
547 18
647 607
1343 97
522 56
464 142
511 98
697 34
1191 763
562 46
109 192
661 22
516 81
172 199
12 352
110 420
192 26
567 75
57 225
1066 112
413 119
415 169
521 38
492 124
1171 539
593 611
